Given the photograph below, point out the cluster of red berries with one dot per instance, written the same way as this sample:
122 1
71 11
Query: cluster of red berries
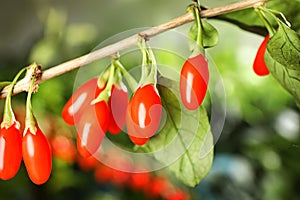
33 147
153 186
195 76
102 105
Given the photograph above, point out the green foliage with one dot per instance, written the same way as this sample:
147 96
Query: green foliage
283 59
284 47
283 56
210 35
184 143
288 78
250 113
290 9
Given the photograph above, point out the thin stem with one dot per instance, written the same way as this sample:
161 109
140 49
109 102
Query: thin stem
33 73
105 94
8 116
111 78
153 72
145 58
30 121
199 40
149 67
131 41
274 13
265 21
130 80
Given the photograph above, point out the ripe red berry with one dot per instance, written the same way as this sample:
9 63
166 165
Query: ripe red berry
143 114
194 79
87 164
103 174
91 128
82 97
141 181
37 156
259 65
117 103
63 148
159 187
177 195
10 151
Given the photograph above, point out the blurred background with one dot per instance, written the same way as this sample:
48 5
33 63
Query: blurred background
256 156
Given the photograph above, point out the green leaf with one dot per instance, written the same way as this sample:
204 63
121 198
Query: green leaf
287 77
284 47
185 143
209 33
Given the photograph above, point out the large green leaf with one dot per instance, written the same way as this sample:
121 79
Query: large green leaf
284 47
247 19
185 142
283 59
287 77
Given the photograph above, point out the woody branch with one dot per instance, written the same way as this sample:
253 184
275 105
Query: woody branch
112 49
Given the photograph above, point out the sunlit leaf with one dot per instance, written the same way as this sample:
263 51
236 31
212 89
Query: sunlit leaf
184 144
287 77
284 47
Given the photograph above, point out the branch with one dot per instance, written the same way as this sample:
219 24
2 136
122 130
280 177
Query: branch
112 49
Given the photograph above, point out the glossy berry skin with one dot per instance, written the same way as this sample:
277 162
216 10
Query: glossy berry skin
92 128
117 104
259 66
77 103
194 79
10 151
143 114
37 156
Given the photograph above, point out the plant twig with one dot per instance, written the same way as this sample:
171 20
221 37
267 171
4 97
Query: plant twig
130 41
